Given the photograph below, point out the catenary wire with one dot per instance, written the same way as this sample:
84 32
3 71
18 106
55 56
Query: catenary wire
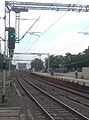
27 44
29 28
77 62
50 27
35 29
85 28
70 46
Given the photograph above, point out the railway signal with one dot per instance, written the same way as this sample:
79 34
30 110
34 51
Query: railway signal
11 38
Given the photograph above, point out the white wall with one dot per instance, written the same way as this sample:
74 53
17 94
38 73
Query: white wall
85 72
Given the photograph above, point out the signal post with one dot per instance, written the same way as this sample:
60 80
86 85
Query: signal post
11 47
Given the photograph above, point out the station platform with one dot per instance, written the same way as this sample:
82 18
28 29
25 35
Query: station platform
80 81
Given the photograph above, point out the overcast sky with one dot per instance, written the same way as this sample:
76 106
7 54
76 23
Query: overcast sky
57 31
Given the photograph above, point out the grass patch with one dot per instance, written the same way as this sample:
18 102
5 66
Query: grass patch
13 90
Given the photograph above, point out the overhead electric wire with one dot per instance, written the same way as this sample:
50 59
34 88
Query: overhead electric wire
77 62
27 44
35 28
48 29
67 47
29 29
70 46
39 36
85 28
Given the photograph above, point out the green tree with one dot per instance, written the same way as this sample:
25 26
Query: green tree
55 61
37 64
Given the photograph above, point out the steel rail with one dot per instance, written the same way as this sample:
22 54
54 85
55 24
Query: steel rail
68 89
81 115
51 118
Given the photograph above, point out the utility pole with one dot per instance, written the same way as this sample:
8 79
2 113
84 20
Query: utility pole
4 70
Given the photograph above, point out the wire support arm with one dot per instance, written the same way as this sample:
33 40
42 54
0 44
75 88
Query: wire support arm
25 6
29 29
32 53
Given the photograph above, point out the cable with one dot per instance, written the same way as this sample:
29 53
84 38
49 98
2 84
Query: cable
27 43
35 28
72 45
48 29
69 46
77 62
29 29
84 28
78 1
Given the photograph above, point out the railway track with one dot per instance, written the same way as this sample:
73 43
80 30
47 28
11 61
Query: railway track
75 99
53 108
73 94
59 81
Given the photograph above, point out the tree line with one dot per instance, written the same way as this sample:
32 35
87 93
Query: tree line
69 61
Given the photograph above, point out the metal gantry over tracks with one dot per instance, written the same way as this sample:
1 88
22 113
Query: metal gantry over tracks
39 54
18 7
25 6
